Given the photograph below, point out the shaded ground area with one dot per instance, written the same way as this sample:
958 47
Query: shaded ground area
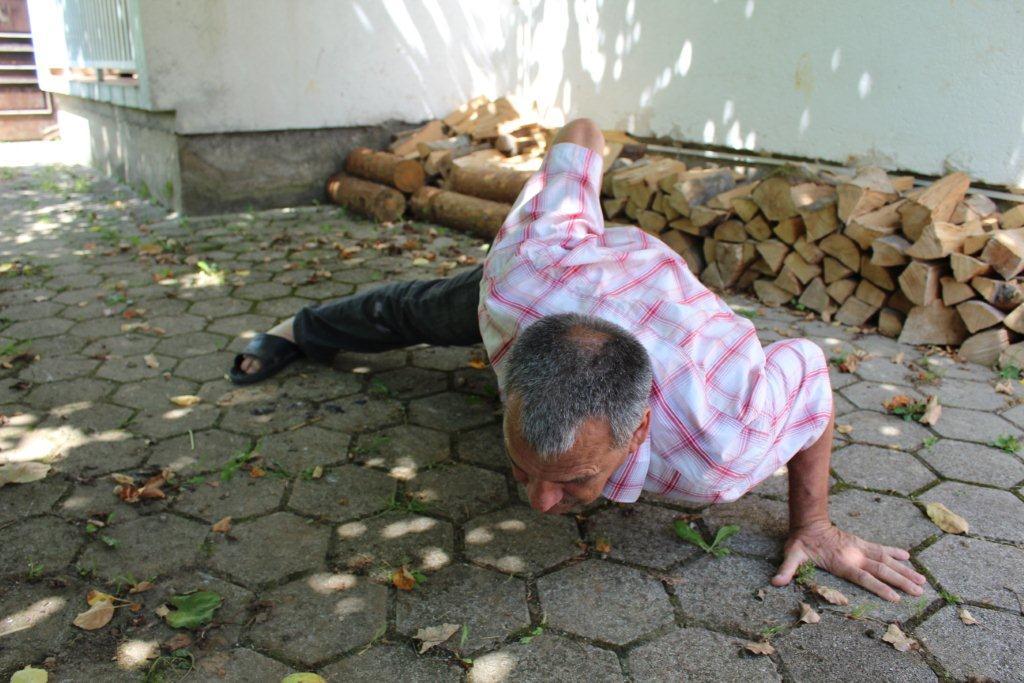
334 478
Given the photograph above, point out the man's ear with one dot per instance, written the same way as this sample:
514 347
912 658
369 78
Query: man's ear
641 432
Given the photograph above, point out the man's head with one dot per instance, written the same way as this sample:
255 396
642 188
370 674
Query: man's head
577 390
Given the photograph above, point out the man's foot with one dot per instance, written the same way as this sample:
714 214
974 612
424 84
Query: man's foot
264 356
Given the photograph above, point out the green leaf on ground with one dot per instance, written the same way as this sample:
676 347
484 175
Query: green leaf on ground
716 547
193 609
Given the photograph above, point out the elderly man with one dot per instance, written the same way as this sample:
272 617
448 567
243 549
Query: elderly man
620 371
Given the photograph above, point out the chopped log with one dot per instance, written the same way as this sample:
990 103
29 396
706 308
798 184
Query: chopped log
808 194
978 315
758 228
809 251
1012 355
902 183
686 225
697 187
712 278
920 282
1003 295
745 207
974 207
687 247
613 206
1005 252
939 239
432 164
465 111
834 270
732 260
761 268
876 275
933 324
967 267
651 221
747 279
379 202
935 204
788 281
708 249
1013 219
841 290
408 144
789 230
644 173
868 227
406 175
500 116
487 182
815 296
731 231
480 217
984 348
773 197
816 204
890 250
842 248
954 292
975 244
445 144
869 190
870 294
900 302
770 294
481 154
773 252
702 216
890 322
726 200
642 195
804 271
1014 320
855 312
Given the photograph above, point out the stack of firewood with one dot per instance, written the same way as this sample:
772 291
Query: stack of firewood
930 265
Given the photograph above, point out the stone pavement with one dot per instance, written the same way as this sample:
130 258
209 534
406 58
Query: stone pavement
334 478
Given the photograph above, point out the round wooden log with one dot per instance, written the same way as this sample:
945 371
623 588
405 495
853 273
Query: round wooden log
488 182
477 216
379 202
383 167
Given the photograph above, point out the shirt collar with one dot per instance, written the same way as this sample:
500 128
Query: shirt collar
627 482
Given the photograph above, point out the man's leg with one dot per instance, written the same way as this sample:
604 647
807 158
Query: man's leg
442 312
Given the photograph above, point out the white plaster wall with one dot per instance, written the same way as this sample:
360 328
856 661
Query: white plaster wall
923 85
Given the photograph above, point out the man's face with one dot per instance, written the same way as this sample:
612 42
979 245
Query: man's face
576 477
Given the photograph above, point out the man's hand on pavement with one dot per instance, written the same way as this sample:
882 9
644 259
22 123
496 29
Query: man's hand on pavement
877 568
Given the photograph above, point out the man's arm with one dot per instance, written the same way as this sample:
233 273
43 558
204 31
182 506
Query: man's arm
812 536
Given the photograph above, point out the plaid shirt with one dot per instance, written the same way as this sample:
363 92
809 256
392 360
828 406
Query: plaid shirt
725 412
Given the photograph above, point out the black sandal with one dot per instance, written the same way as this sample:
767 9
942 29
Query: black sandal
274 354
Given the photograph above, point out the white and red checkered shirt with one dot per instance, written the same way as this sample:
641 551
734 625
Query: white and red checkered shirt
725 412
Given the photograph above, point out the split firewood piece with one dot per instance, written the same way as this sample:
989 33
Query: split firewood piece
788 281
648 174
773 197
758 228
890 322
698 187
935 323
526 138
446 144
477 216
1013 219
482 154
985 347
703 216
727 201
954 292
974 207
687 247
730 231
1003 295
870 294
487 182
939 239
684 224
406 175
651 222
500 116
978 315
708 249
936 203
841 290
815 296
866 228
409 143
465 111
613 206
745 207
869 190
834 270
770 294
773 252
379 202
900 302
1012 355
920 282
876 275
1005 252
843 249
967 267
804 271
789 230
816 204
711 277
975 244
1014 320
890 250
732 259
855 312
808 250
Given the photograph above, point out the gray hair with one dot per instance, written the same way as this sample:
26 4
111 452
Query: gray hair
567 368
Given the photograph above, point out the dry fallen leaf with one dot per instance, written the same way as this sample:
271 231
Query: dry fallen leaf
477 364
1005 387
185 400
966 617
30 675
23 472
434 635
94 596
318 472
762 648
142 586
151 361
603 546
402 579
897 401
162 611
808 615
831 595
123 478
932 411
899 640
849 364
222 527
256 472
178 641
97 616
844 429
946 519
153 487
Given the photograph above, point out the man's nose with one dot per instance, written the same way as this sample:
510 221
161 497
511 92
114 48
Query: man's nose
543 495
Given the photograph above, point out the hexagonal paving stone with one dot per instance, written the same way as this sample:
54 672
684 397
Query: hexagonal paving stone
96 500
837 378
488 604
972 425
880 468
191 344
261 291
32 311
870 606
245 325
974 463
393 663
547 658
178 325
54 369
317 383
162 423
285 307
34 622
134 368
520 541
402 450
640 534
606 602
451 411
240 665
764 524
47 541
882 370
230 620
871 395
989 650
484 446
366 363
992 513
343 493
97 328
976 570
321 616
360 414
24 501
459 491
776 485
153 394
885 430
149 546
205 368
404 383
111 451
880 518
299 450
189 454
444 358
810 654
87 417
240 496
296 545
958 393
127 344
694 654
722 593
36 329
53 394
220 307
1015 415
381 543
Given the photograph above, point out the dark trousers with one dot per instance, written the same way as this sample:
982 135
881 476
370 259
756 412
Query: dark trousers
441 312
